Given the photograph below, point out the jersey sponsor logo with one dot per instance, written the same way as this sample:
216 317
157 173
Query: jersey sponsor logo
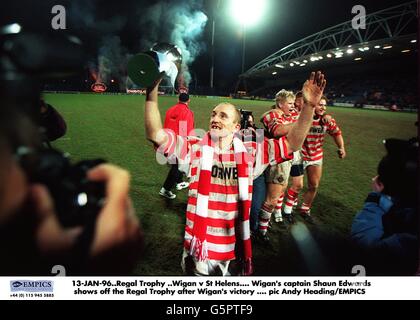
224 173
317 130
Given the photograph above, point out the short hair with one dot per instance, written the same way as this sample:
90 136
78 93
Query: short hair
184 97
324 98
237 111
283 95
299 94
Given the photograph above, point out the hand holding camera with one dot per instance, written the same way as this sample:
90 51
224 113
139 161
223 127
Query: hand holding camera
79 216
116 229
116 223
247 119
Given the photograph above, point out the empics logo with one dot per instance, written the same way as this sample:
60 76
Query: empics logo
32 286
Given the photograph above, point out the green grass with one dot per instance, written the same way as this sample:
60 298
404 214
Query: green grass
111 127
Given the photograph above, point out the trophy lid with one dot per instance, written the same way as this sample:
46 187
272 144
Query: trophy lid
143 69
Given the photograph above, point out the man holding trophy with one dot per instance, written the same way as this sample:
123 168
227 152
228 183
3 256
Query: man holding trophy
222 166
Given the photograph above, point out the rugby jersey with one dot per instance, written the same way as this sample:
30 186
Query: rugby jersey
295 115
312 146
274 118
223 201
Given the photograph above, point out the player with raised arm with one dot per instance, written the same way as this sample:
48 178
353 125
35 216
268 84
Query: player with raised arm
313 153
222 167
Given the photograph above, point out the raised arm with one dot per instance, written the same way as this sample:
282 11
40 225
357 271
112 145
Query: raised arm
152 119
283 130
276 129
312 91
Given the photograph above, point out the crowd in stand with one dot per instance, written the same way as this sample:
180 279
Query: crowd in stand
401 94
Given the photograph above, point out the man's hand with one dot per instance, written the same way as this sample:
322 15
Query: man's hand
312 92
118 238
341 153
314 88
326 119
155 84
377 185
51 238
116 224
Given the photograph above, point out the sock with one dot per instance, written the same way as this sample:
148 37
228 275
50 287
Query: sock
290 201
305 209
277 209
264 218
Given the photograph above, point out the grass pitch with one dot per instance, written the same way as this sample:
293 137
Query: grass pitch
112 127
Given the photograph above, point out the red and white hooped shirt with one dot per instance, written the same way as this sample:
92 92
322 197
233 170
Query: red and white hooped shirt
312 146
223 201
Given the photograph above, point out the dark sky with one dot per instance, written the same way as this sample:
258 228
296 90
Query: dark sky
286 21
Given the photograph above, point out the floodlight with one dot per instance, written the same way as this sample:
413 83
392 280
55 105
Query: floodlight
247 12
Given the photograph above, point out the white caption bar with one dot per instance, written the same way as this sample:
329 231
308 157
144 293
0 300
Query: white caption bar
211 288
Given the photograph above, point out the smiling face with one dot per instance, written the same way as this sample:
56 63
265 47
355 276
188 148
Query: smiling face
286 106
224 120
321 107
285 101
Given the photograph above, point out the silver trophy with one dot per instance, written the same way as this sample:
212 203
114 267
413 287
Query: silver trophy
144 68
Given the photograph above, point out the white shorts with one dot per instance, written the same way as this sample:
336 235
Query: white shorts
204 268
297 158
312 163
279 173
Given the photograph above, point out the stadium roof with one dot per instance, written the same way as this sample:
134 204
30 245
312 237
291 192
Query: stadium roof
389 33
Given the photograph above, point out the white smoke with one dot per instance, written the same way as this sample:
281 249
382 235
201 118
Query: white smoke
188 26
112 60
178 23
112 56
